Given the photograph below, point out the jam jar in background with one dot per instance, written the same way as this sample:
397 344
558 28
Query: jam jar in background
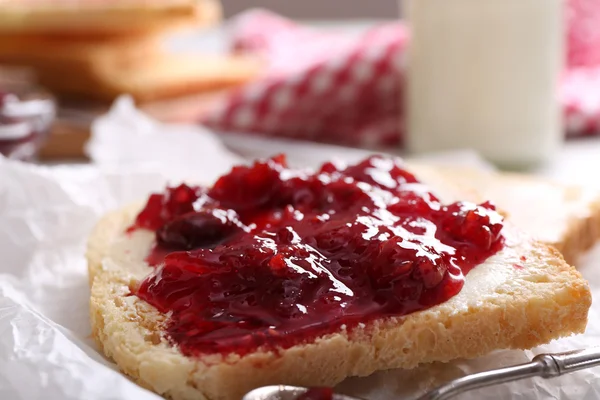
26 115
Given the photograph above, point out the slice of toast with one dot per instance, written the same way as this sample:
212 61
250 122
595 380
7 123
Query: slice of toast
523 296
156 76
564 216
103 69
144 76
75 51
105 17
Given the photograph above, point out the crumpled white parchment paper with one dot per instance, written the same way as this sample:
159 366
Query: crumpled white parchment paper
46 214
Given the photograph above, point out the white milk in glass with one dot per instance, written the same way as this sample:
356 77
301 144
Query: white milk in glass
483 75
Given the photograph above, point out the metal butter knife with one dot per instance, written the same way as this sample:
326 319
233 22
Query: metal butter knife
542 365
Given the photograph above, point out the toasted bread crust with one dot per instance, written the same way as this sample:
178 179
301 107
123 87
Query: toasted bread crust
543 300
581 234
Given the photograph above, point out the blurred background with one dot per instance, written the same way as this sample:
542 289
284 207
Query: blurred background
509 79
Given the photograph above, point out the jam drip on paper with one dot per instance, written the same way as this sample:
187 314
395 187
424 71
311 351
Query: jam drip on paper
272 256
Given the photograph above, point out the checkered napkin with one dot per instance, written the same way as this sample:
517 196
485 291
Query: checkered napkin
580 87
347 89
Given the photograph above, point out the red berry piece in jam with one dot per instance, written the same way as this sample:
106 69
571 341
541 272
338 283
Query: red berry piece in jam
162 208
273 257
478 225
249 187
203 229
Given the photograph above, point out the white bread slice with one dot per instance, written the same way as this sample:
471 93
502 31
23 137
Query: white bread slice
507 302
564 216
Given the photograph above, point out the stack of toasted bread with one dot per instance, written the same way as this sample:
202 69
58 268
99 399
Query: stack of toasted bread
99 50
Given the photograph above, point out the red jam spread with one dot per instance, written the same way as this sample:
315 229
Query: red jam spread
273 257
318 393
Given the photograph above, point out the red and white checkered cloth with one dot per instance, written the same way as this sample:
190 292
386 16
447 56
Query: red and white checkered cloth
346 89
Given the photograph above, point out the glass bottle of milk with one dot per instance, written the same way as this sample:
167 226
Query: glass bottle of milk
483 74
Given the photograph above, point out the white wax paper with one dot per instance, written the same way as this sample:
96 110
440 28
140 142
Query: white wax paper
46 214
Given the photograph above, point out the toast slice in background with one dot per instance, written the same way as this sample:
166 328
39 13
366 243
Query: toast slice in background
102 69
40 49
523 296
76 57
152 77
564 216
128 17
99 50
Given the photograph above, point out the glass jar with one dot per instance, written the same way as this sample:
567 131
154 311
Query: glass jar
483 75
26 116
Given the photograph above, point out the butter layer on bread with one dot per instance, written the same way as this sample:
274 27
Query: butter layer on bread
523 296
